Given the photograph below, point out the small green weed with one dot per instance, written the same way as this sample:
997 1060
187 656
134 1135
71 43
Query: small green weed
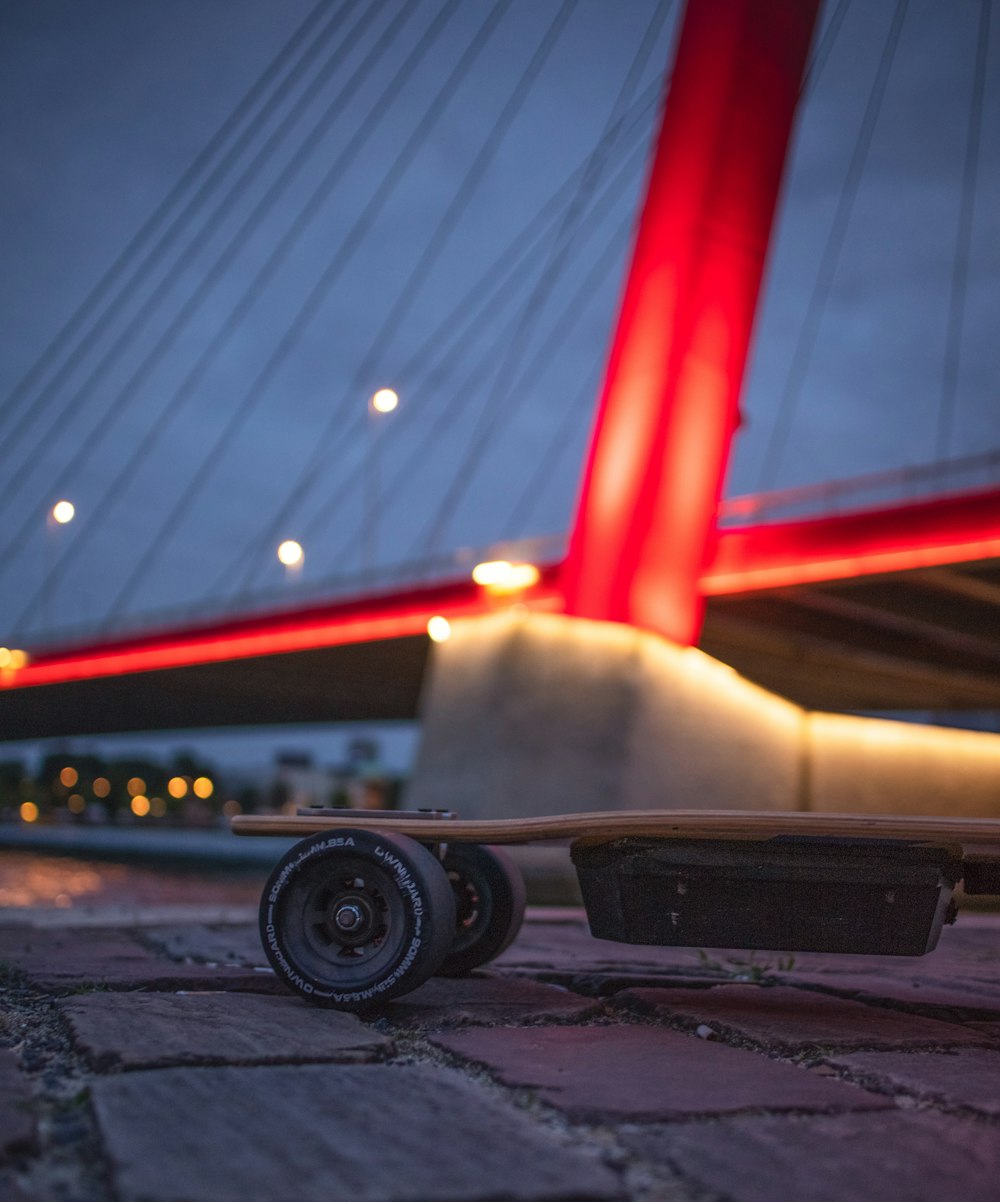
748 969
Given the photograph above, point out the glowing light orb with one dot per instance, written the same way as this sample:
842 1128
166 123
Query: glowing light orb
290 553
439 629
385 400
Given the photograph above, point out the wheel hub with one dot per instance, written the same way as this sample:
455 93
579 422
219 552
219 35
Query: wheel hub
352 919
348 917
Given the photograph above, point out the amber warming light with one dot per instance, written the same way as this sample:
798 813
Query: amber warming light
439 629
499 576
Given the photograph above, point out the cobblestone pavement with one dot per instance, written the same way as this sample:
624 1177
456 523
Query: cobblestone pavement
147 1054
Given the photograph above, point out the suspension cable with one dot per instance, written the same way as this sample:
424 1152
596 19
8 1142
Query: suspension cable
404 300
963 241
159 350
109 280
823 284
471 312
569 318
490 415
821 55
168 338
122 302
352 240
431 431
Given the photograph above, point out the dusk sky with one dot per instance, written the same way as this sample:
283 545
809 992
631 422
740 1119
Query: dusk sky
106 104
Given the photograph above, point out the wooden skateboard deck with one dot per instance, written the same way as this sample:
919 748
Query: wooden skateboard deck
978 837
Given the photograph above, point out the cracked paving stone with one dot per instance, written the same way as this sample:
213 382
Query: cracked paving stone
219 943
645 1072
62 960
330 1134
975 997
17 1122
136 1030
966 1077
891 1156
471 1000
567 946
796 1019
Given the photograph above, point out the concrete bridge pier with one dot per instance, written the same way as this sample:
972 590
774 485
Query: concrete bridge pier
537 713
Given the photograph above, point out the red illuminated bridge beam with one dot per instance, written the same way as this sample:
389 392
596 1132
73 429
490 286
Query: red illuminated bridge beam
361 620
923 534
932 533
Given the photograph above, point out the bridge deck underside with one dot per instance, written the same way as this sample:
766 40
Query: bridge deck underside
925 640
355 682
917 640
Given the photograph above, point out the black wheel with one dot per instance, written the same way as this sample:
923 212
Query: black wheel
489 905
352 918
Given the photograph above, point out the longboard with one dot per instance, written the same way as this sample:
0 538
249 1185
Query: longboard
980 837
367 905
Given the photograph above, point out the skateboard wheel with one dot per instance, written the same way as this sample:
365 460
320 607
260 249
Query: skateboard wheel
489 905
352 918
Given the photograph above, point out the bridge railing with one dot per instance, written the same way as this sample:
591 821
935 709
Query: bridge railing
300 592
946 477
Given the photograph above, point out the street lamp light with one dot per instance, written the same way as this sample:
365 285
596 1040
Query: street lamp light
500 577
61 514
439 629
385 400
290 554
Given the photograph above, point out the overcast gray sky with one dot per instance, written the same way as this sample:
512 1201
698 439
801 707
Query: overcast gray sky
106 103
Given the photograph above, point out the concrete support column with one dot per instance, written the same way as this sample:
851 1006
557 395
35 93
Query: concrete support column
544 714
536 713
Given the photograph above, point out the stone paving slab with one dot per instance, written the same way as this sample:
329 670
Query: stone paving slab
453 1002
968 952
17 1123
127 915
60 961
139 1030
916 992
330 1134
968 1077
568 946
969 949
646 1073
796 1019
216 943
11 1190
889 1156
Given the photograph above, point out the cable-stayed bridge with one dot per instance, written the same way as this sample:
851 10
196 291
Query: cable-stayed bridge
877 593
